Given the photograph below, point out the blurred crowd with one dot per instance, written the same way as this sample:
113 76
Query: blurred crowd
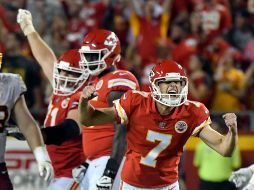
212 39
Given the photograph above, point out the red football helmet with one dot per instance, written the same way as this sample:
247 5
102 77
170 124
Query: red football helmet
166 71
68 75
99 51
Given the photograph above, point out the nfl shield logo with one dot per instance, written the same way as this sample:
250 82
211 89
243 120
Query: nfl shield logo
162 124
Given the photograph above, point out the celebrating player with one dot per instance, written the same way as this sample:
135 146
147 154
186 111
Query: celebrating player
61 124
158 125
100 52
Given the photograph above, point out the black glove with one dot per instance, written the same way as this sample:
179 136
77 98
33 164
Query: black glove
79 172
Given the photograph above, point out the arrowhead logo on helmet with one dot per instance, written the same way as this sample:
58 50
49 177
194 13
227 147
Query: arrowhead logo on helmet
111 40
100 50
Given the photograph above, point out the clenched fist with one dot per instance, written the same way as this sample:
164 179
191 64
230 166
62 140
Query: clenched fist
89 92
24 18
230 121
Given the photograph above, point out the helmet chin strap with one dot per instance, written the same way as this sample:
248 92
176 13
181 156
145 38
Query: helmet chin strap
168 101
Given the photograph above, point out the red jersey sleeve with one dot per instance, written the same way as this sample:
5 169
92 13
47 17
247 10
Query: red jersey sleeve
123 108
74 101
201 118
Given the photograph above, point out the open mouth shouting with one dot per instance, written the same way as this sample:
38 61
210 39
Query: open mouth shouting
172 93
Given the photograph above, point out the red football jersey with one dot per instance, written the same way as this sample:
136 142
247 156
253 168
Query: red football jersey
97 141
69 155
155 142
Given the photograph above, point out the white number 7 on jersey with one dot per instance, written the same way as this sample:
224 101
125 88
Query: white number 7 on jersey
152 136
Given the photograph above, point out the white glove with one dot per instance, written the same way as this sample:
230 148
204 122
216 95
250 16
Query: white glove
24 18
79 172
248 187
241 176
104 183
44 163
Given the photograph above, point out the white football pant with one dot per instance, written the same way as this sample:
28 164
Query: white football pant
61 183
126 186
94 172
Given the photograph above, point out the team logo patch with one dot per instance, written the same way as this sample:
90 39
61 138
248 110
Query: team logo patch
65 103
111 40
162 124
99 85
181 127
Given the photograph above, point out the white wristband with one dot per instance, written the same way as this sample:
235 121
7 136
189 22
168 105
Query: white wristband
28 29
41 154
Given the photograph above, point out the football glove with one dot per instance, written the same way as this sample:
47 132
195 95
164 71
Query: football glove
104 183
79 172
107 179
44 163
250 185
24 18
241 176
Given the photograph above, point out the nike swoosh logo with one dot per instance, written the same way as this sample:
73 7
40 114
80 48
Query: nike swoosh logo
121 74
171 188
3 172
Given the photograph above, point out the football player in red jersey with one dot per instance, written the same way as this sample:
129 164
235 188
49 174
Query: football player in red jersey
158 125
99 53
61 123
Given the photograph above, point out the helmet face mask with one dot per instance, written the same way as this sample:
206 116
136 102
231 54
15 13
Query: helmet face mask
169 73
68 76
94 60
100 50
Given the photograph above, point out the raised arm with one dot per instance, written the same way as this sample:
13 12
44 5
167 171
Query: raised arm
167 5
224 145
31 131
90 116
131 6
41 51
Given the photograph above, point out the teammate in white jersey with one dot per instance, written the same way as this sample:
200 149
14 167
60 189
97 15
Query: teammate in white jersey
12 89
